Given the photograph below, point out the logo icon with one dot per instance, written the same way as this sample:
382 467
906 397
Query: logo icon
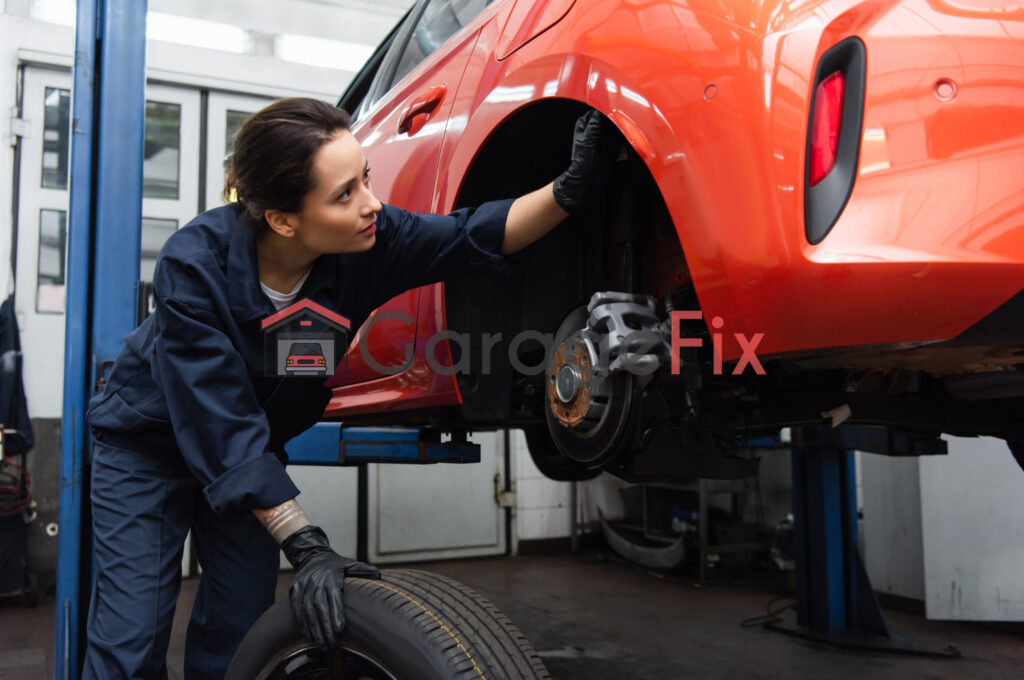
304 339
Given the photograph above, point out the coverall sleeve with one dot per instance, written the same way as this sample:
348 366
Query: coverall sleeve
417 249
220 427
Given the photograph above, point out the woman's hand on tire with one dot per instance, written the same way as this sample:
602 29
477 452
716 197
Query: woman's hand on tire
317 591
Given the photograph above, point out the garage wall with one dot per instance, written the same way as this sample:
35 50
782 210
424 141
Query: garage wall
542 504
946 530
972 502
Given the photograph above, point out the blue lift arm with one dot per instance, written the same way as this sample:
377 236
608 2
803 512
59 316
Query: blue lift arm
332 444
104 238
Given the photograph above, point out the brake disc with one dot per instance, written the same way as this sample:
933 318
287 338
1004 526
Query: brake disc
588 413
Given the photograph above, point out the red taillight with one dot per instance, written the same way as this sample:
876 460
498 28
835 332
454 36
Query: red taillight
826 122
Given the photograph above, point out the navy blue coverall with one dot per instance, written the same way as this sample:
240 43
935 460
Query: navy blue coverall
190 432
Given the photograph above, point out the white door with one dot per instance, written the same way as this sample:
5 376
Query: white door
225 114
42 238
170 195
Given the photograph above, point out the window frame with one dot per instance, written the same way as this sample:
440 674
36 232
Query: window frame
386 58
364 89
401 53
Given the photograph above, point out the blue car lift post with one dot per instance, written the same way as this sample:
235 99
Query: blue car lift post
835 603
104 239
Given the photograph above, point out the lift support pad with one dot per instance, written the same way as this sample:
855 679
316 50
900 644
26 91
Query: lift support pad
332 444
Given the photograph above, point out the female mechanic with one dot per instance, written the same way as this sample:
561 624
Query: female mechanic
189 430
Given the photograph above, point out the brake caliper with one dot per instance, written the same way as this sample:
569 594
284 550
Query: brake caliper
627 334
623 334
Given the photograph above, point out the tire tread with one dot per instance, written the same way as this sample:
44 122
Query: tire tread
425 625
477 639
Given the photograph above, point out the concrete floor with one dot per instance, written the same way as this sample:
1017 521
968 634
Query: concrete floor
594 617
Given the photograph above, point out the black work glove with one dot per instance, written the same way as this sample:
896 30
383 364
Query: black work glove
594 150
316 591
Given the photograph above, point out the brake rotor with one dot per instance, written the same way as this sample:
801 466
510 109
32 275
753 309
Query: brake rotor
588 414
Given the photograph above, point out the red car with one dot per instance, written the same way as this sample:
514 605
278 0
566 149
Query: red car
817 217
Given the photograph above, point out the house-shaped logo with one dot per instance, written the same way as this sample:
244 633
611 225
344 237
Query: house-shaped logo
304 339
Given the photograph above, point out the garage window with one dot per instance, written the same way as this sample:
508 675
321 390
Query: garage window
53 229
154 233
162 150
232 122
56 127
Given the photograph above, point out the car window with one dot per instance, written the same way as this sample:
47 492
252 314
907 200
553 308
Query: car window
355 97
441 19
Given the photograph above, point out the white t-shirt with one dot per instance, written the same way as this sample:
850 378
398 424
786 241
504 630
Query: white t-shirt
282 300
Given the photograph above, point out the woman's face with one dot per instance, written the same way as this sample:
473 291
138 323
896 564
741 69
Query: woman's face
339 215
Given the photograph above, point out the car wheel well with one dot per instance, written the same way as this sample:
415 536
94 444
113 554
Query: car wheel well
616 245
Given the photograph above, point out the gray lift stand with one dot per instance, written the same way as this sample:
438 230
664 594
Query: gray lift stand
835 603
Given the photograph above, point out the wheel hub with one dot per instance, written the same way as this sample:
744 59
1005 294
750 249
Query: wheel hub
572 382
568 383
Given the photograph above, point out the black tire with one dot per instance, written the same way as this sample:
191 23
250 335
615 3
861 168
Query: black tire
409 625
552 463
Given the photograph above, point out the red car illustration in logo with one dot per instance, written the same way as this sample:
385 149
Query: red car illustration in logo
827 191
305 358
303 339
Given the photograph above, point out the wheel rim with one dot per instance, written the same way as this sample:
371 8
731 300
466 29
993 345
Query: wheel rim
309 662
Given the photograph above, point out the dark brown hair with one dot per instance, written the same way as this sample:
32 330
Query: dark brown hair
271 162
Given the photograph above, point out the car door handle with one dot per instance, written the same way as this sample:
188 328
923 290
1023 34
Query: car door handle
417 114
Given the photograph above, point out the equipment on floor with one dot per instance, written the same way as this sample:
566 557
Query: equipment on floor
16 439
16 513
641 540
636 544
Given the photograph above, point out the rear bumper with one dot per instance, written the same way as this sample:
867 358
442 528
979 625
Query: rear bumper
931 240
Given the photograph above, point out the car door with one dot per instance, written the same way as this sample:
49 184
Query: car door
418 512
402 114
